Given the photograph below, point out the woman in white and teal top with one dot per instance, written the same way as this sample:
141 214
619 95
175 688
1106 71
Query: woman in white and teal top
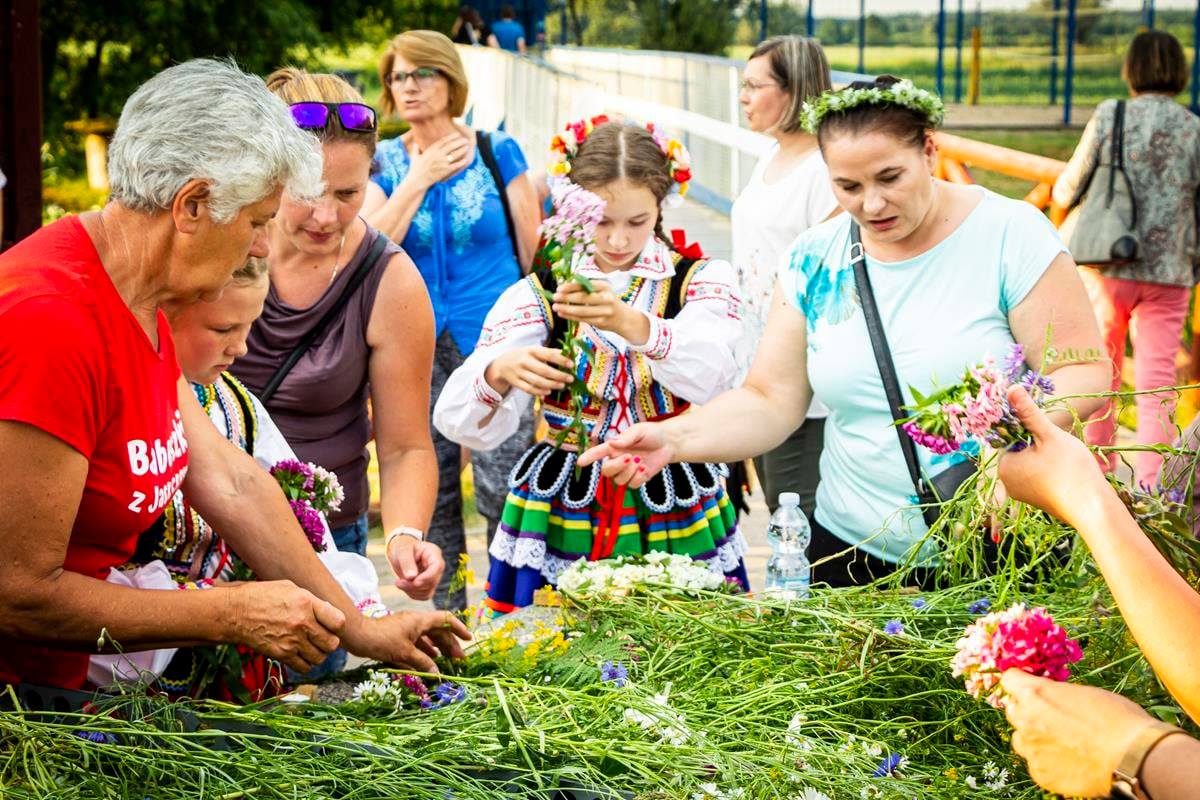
959 273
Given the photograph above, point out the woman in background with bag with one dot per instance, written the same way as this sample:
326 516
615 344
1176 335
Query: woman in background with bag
951 274
1158 149
461 204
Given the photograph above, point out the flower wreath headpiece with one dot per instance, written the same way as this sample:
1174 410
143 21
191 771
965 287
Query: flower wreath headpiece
565 146
902 93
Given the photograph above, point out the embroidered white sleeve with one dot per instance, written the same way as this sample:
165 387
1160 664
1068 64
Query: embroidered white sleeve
692 354
469 411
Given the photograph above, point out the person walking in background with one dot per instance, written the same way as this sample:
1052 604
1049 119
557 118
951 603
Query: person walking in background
788 193
468 27
507 33
1151 295
464 209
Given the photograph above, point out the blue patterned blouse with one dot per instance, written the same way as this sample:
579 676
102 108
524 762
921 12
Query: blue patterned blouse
458 237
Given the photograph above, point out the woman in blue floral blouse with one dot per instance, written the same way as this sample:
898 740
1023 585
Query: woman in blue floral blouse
441 190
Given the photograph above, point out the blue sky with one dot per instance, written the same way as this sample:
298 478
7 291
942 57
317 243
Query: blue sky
844 7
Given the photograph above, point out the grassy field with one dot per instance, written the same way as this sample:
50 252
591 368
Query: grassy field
1011 75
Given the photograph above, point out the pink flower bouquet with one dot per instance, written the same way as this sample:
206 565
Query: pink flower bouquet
976 407
1019 638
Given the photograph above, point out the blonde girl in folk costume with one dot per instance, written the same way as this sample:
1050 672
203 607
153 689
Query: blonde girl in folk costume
663 328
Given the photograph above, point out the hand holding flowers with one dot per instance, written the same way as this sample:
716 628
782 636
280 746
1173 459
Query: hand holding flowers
602 308
1072 736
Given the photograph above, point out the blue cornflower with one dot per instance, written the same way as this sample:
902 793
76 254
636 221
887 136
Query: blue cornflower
980 606
920 604
99 737
893 627
448 693
890 766
613 673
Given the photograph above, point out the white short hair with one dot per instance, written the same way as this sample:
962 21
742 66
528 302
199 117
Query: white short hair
208 120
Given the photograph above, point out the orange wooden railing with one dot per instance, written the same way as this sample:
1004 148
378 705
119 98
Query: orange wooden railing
956 155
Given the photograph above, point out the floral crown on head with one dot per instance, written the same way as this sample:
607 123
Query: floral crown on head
901 93
565 146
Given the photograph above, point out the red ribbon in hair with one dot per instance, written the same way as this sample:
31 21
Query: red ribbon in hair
679 240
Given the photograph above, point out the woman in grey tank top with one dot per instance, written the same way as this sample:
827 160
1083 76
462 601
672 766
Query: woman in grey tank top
378 347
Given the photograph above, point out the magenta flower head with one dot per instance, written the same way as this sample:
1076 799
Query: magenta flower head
310 522
1019 638
930 441
577 212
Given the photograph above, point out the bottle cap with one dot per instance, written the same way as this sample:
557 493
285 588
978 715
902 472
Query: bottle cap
789 499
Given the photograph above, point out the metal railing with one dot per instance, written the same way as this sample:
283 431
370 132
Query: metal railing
694 97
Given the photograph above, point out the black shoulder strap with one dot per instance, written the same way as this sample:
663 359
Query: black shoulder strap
352 284
484 142
883 354
1118 160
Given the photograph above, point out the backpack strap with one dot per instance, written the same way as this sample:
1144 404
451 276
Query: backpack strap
483 141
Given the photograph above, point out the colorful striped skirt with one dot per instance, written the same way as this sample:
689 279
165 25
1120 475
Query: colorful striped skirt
553 517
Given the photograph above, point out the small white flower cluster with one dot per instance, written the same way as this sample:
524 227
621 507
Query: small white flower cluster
994 777
620 576
902 93
662 719
710 791
380 687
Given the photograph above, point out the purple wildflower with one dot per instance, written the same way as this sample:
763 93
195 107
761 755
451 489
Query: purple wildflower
310 522
614 673
893 627
1037 384
930 441
1175 496
919 604
889 766
99 737
1014 362
980 606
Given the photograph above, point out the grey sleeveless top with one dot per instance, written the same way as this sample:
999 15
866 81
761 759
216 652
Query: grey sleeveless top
321 406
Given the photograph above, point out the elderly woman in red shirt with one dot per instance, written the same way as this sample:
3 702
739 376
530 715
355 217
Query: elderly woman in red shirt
104 429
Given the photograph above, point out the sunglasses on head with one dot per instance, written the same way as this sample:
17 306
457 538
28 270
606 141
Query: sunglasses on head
421 75
352 116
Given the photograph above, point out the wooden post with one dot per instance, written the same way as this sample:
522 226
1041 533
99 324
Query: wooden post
95 148
20 117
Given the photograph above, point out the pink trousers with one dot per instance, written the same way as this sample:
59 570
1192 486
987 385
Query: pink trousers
1154 315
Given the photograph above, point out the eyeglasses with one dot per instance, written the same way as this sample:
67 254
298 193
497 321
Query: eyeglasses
315 116
752 86
422 75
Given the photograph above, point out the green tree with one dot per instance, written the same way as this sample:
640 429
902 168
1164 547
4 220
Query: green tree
878 30
692 26
1087 18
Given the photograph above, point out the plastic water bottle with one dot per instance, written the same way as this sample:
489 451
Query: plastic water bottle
788 571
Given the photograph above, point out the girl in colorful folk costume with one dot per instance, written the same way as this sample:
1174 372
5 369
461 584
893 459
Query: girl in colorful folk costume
655 333
181 551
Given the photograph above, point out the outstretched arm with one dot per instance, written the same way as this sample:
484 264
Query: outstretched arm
738 424
1057 473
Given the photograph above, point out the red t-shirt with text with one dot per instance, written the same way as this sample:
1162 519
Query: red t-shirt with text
75 363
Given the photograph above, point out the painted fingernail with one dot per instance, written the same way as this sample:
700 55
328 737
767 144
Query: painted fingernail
626 459
641 469
637 459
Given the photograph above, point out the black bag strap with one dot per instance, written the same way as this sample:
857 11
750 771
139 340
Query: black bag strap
484 142
1118 160
883 354
352 284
